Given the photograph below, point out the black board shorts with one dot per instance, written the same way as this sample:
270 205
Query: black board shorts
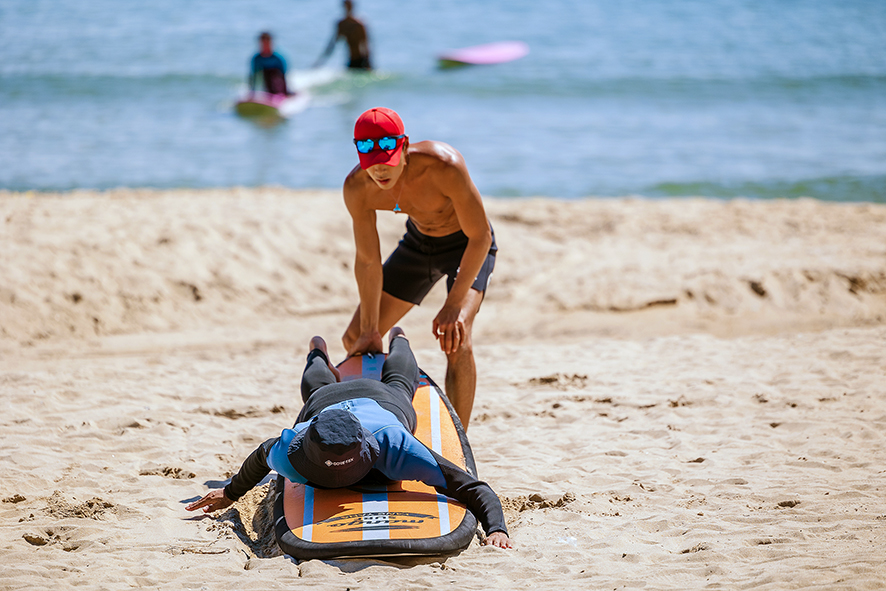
419 261
360 63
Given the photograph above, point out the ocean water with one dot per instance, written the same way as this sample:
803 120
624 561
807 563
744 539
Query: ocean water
720 98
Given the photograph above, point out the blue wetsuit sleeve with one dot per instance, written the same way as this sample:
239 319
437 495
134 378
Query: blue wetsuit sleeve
254 468
407 458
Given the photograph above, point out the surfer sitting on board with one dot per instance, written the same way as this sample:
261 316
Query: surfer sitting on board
346 429
270 65
447 233
353 31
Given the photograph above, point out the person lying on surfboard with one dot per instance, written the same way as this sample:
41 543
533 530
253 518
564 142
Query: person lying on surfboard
447 233
270 65
347 429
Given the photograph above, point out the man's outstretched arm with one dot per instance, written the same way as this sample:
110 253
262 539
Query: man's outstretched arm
367 271
449 324
329 47
253 470
407 458
476 494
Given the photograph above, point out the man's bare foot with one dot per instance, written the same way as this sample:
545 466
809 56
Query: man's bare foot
317 342
394 333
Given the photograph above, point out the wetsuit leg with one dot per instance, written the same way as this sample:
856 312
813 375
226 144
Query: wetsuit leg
275 81
317 374
400 371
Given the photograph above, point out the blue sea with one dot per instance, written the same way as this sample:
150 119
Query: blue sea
720 98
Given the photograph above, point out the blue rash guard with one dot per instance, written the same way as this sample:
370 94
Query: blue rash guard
401 455
262 64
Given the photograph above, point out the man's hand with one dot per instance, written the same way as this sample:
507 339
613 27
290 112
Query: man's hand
498 539
367 343
213 501
449 327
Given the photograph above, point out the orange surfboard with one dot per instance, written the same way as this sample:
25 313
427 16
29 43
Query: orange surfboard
406 517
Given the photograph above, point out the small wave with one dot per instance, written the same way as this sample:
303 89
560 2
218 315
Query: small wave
104 86
337 80
562 83
833 188
537 81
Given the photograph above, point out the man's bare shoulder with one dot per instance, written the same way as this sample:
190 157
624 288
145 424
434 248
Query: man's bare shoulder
351 26
441 152
356 186
438 158
357 175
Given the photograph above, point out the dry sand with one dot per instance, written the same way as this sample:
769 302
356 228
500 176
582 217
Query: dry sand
680 394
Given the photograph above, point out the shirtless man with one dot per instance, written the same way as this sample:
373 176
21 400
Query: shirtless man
354 33
447 233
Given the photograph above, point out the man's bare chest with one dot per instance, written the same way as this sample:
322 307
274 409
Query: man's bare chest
432 212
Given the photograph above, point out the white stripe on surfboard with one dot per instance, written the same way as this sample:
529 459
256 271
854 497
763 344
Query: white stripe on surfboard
308 519
443 511
437 445
436 430
375 503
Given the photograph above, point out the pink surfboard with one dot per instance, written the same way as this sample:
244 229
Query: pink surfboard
489 53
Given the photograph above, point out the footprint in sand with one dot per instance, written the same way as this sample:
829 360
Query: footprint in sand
561 381
70 538
234 414
537 501
168 472
60 508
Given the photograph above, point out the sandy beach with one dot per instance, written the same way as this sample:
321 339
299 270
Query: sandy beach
675 394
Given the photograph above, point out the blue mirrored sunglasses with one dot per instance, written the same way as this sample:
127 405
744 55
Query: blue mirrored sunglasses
384 143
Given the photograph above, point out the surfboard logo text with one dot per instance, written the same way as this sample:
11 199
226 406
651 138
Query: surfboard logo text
377 520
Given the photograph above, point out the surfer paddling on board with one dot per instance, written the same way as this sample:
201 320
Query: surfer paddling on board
270 65
447 233
353 31
347 429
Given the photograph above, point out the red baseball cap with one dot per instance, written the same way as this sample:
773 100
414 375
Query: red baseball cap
378 123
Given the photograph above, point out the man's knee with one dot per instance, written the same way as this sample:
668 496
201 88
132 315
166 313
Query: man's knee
465 351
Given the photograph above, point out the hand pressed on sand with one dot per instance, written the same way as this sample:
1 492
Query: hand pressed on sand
213 501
